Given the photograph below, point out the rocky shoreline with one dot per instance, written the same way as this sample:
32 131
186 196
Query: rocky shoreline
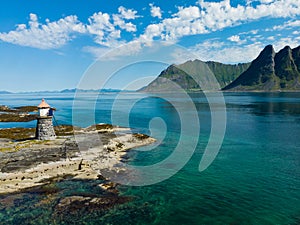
76 155
17 114
28 163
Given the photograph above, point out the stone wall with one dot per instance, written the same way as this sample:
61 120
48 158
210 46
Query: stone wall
44 128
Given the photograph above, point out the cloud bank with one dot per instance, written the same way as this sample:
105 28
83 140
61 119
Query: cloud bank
111 30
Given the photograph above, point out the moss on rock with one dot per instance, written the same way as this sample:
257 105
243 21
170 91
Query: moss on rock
17 133
16 117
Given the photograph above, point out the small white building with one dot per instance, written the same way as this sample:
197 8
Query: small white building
44 109
44 127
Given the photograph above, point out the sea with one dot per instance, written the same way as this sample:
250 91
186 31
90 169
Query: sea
253 179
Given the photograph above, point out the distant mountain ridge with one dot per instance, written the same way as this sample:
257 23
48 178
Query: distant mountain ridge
5 92
271 71
73 90
224 73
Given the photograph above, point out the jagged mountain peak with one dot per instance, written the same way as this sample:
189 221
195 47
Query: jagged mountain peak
270 71
260 72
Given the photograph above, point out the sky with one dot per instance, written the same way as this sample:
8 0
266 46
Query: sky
50 45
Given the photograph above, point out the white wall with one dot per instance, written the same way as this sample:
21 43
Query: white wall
44 112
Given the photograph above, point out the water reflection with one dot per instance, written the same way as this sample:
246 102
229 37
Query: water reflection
270 108
265 104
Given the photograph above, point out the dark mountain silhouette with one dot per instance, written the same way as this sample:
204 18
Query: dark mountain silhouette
271 71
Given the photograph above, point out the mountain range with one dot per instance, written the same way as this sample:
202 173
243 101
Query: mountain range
73 90
270 71
5 92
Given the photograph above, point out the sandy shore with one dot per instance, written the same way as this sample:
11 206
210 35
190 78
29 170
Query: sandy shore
34 163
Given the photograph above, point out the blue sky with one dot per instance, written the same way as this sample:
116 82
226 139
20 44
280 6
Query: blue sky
48 45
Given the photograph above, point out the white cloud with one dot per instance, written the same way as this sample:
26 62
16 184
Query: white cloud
182 55
125 14
128 14
266 1
108 29
213 50
155 11
212 16
44 36
153 30
271 38
296 32
126 49
287 25
189 13
253 32
96 51
105 28
281 43
180 24
234 38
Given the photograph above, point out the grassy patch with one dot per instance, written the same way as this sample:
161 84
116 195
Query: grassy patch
27 109
21 133
64 130
7 149
16 117
17 133
100 127
140 136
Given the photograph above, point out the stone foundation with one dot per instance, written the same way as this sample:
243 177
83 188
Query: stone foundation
44 129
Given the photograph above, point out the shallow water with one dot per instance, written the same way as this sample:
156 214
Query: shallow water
253 180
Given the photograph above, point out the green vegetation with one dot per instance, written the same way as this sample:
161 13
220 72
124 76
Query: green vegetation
16 117
101 128
61 130
17 133
64 130
271 71
19 114
225 73
26 109
21 109
202 71
21 133
4 108
140 136
104 126
19 145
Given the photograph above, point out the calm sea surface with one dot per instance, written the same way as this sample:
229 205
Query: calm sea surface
253 180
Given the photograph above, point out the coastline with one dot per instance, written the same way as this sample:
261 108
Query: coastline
34 162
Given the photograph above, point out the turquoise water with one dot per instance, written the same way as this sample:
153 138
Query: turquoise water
253 180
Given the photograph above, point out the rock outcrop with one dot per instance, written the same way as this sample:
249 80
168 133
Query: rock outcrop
19 114
89 154
271 71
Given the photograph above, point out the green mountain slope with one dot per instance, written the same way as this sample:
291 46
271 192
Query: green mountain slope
203 73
